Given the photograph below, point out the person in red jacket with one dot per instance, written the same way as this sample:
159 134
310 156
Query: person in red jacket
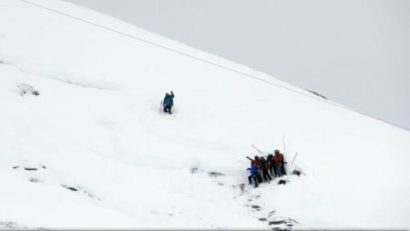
277 162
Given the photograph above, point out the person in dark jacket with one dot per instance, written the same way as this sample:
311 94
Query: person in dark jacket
168 102
254 171
283 167
271 165
265 169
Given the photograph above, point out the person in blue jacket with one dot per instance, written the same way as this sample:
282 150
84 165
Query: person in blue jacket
168 102
254 172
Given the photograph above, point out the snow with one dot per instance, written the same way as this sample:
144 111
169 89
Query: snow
96 127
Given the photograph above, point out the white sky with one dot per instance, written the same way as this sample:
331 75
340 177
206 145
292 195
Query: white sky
355 52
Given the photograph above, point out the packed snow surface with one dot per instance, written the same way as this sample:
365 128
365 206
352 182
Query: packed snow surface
92 150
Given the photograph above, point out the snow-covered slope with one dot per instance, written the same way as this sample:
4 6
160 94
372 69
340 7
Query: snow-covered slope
104 156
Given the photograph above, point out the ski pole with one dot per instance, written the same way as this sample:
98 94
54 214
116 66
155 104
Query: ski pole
257 149
294 158
160 107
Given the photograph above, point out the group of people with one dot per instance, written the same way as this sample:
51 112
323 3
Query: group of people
264 170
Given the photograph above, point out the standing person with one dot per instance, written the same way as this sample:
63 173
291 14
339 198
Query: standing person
283 167
257 162
253 169
265 169
168 102
271 165
277 161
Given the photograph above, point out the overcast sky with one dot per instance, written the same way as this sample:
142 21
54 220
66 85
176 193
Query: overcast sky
355 52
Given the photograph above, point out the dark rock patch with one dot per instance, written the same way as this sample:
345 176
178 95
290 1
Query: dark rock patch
81 190
277 222
317 94
296 172
194 170
30 169
271 213
257 196
256 207
242 188
34 180
27 89
89 194
280 229
70 188
287 222
215 174
9 225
